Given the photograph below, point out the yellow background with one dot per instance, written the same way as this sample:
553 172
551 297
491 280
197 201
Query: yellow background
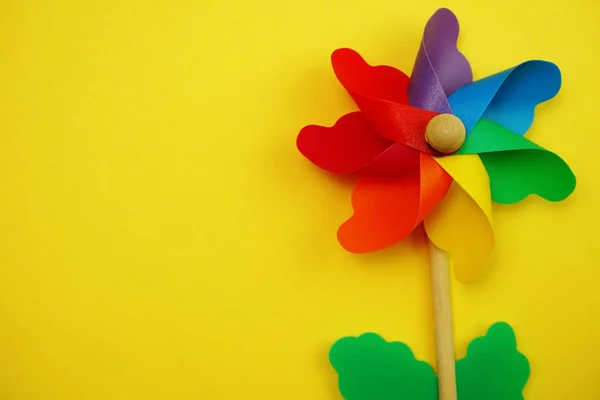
161 238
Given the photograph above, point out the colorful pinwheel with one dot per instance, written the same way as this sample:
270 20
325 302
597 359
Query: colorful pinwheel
437 149
403 181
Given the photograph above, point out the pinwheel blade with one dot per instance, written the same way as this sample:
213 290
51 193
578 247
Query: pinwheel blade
440 69
386 210
381 95
518 167
461 224
509 97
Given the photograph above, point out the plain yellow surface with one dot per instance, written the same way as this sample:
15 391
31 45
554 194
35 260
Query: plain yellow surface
161 238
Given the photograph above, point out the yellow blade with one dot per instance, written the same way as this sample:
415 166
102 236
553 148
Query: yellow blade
461 224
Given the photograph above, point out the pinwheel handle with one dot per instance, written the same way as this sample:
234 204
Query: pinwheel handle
442 309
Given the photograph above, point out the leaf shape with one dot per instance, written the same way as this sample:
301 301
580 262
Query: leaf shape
493 368
518 167
370 368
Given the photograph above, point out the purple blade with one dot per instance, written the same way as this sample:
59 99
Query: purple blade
440 68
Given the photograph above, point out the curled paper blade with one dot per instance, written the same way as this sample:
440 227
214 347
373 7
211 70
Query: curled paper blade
462 222
386 210
440 69
351 146
344 148
380 94
508 97
380 82
518 167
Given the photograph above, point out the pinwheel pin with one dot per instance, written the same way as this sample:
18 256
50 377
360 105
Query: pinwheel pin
436 149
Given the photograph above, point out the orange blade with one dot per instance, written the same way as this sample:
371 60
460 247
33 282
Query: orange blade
386 210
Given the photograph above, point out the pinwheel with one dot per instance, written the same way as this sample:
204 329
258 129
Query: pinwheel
436 149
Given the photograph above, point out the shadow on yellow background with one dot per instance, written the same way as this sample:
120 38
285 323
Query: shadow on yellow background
161 238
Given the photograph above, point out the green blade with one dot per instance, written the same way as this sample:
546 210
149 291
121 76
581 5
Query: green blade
518 167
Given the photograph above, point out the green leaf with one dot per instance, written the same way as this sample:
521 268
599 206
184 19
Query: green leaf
493 368
369 368
518 167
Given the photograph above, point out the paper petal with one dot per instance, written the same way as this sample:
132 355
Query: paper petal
344 148
351 146
386 210
509 97
518 167
493 368
380 93
461 224
380 82
370 368
440 68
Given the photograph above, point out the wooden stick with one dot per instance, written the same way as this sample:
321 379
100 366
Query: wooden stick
442 311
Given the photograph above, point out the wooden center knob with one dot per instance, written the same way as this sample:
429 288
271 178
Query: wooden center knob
445 133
